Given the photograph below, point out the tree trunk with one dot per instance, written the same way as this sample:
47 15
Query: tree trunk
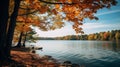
24 39
12 27
20 39
4 6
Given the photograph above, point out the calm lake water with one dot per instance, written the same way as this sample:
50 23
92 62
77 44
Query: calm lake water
86 53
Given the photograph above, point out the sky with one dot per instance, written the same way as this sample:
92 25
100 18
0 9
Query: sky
109 19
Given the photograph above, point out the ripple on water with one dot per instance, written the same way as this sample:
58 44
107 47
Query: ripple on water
88 53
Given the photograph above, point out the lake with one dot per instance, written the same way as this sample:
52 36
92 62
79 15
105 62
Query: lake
86 53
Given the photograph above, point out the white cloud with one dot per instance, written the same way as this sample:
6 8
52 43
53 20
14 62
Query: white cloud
67 30
109 12
94 25
98 27
87 28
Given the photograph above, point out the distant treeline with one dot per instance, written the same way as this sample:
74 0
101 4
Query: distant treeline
108 35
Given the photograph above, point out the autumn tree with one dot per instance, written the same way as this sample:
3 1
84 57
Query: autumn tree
106 35
73 11
91 37
117 35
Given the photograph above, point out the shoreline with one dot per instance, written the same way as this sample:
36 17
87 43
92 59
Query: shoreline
28 59
22 57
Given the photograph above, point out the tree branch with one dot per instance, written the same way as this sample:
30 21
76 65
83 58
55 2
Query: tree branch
29 13
25 8
56 2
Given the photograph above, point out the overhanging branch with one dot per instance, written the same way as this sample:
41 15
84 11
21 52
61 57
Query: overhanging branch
25 8
56 2
28 13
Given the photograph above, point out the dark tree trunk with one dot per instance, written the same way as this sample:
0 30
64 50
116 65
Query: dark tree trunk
4 6
24 39
12 27
20 39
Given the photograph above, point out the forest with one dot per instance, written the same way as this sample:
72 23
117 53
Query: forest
101 36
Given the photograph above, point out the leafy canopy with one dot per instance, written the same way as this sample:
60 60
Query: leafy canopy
51 14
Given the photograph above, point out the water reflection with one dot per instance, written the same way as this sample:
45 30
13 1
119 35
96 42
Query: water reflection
114 46
118 45
88 53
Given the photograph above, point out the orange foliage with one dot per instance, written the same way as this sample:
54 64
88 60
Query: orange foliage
75 11
57 6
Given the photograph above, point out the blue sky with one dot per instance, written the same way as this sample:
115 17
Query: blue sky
109 19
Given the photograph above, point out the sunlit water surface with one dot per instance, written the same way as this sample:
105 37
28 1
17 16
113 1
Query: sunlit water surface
86 53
